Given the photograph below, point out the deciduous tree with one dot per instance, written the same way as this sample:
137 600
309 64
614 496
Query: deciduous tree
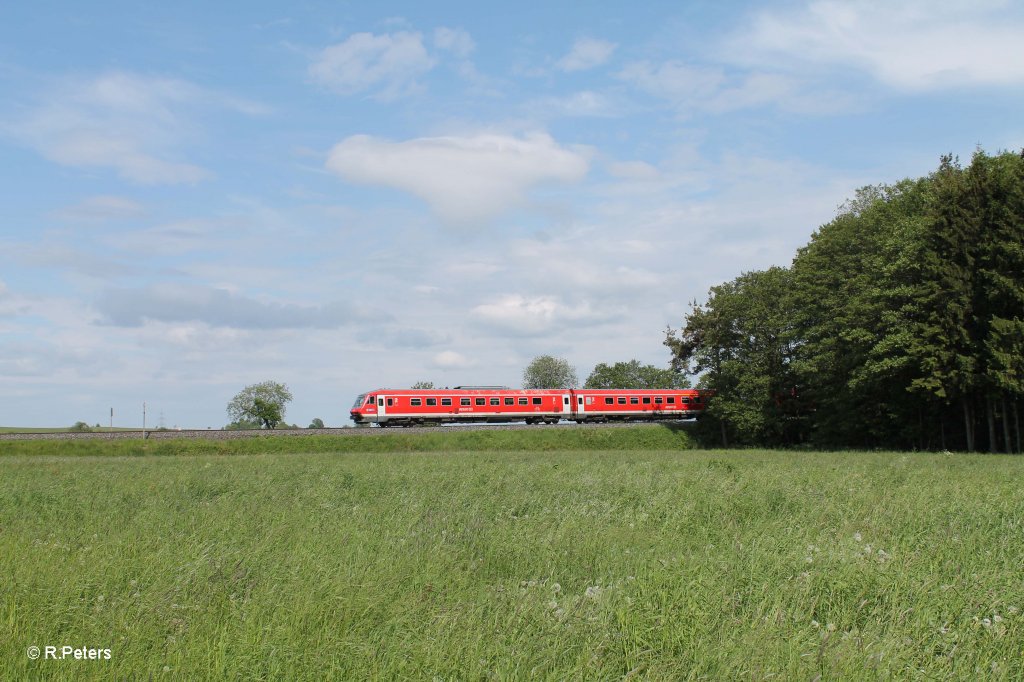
546 371
262 403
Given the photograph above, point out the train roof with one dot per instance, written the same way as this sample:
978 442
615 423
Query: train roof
462 390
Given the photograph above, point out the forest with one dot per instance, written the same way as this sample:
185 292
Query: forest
899 325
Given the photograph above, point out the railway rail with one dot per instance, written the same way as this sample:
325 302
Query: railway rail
221 434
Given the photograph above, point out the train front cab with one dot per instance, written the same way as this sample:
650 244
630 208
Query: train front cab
365 410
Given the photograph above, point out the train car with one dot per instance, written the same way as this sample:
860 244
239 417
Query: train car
632 404
498 404
466 404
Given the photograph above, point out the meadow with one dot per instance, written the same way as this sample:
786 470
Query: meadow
299 558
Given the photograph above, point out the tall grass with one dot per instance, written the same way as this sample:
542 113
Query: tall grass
641 437
487 564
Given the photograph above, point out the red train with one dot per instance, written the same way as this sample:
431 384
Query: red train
412 407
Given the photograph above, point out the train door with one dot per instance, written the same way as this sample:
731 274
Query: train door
381 410
581 407
566 405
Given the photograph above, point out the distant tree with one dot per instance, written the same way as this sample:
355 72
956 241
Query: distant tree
80 426
263 403
423 385
239 425
634 375
317 423
546 371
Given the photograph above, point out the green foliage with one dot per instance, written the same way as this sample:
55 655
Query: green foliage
900 317
634 375
581 565
242 425
546 371
262 403
741 343
423 385
317 423
80 427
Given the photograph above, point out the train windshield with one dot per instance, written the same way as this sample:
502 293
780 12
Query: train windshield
359 401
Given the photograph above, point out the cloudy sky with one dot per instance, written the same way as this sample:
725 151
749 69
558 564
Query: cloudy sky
348 195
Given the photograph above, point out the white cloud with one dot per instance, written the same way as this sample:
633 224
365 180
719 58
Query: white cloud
219 308
131 123
387 65
101 209
912 45
712 89
674 80
586 53
455 40
450 359
633 170
465 180
583 103
532 316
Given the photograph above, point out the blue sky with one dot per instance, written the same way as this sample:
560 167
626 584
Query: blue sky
344 196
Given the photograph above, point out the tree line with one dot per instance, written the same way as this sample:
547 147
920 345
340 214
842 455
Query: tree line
899 325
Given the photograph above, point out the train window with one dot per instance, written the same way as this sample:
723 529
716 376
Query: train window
446 401
391 401
634 400
671 400
464 401
359 401
481 401
686 401
524 401
536 401
696 399
432 402
622 400
657 400
372 400
647 400
415 402
608 400
495 401
510 401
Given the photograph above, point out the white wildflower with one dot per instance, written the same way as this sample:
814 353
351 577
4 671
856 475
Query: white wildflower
593 592
857 537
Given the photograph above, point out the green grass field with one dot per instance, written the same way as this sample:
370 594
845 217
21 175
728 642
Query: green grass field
483 563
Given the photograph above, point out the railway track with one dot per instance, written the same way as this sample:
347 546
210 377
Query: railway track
220 434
